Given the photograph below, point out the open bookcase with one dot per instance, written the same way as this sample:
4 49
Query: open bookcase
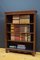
20 31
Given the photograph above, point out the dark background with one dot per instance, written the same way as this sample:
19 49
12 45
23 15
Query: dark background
17 5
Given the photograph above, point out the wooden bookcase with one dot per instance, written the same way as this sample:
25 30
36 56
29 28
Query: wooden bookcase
20 31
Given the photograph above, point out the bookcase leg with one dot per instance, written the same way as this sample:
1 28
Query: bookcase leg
7 50
33 53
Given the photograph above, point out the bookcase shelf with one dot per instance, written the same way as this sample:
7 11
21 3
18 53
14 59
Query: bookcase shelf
21 41
20 31
19 50
20 24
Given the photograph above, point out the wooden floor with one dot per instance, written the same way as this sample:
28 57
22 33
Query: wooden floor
16 56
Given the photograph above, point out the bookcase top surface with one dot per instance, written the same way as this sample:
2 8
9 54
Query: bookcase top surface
21 12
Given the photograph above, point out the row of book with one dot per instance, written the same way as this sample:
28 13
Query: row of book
21 16
25 19
16 32
17 47
20 29
21 38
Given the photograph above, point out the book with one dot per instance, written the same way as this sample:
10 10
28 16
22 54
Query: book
21 47
12 46
24 21
17 30
15 21
12 27
12 34
25 16
26 37
25 29
29 37
28 28
12 37
12 30
15 17
22 38
17 38
22 29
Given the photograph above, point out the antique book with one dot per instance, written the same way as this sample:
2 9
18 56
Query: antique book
28 28
22 29
25 16
15 17
22 38
21 47
12 28
24 21
17 38
12 46
15 21
29 37
12 37
26 37
12 34
12 31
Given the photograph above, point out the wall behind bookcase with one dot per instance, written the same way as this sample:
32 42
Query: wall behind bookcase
16 5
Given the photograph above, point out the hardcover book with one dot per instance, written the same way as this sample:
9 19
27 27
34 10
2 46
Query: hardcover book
22 38
12 37
15 17
28 28
17 38
15 21
12 46
21 47
12 31
22 28
25 16
26 37
24 21
29 38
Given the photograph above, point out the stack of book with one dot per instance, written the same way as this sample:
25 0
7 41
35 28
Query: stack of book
17 38
12 37
22 38
12 28
15 20
25 19
27 37
25 29
12 46
12 32
22 28
17 30
21 47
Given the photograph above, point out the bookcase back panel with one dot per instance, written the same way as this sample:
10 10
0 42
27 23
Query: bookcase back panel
8 27
9 18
